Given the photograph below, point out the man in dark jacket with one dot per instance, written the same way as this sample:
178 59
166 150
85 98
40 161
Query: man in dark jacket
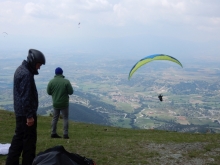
25 107
60 89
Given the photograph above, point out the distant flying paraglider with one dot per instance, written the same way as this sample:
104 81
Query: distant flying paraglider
152 58
4 33
160 97
79 25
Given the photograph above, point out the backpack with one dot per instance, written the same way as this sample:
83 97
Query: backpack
59 156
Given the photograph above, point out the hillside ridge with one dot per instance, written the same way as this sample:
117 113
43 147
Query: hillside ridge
114 145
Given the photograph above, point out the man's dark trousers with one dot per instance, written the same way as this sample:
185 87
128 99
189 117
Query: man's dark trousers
23 142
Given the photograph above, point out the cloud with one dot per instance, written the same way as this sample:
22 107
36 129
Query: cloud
198 13
33 9
177 11
45 11
95 5
132 22
9 12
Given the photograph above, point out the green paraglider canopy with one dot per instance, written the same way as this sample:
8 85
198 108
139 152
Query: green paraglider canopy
152 58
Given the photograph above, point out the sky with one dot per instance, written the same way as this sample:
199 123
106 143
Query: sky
185 29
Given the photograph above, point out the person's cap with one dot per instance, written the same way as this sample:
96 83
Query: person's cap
58 71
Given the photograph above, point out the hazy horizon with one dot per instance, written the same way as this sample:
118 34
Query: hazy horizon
187 30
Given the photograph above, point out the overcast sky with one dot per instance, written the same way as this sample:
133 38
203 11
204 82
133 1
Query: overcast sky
126 28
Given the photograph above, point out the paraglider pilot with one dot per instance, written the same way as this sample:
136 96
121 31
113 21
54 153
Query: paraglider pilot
160 97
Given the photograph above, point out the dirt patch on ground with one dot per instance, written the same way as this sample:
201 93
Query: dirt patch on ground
183 154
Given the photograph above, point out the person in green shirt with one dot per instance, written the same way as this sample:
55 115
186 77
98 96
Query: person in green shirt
60 89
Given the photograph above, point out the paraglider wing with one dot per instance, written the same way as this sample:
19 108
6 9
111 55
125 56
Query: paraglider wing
152 58
4 34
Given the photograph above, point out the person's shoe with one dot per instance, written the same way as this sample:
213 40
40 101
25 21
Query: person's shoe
55 136
65 136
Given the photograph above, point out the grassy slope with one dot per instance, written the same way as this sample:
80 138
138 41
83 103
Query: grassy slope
106 145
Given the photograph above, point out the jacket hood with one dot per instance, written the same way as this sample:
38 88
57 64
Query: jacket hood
31 69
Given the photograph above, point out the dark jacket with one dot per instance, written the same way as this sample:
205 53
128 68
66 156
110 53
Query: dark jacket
25 91
60 89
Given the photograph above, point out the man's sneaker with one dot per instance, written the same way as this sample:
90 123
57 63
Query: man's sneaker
65 136
55 136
